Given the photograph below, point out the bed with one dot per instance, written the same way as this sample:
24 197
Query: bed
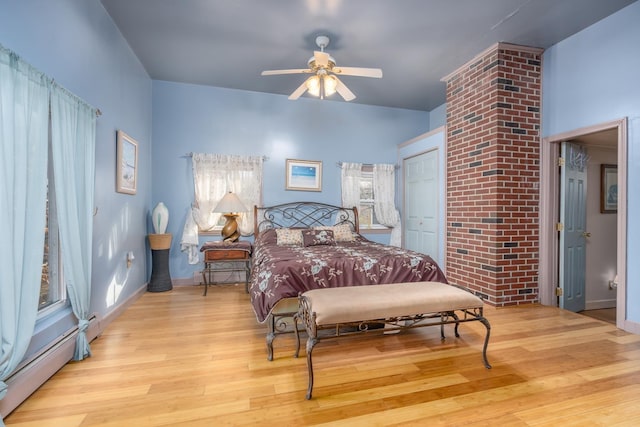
307 245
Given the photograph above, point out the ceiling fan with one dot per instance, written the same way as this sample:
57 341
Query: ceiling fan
325 81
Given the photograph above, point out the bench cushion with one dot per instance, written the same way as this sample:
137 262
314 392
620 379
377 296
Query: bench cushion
370 302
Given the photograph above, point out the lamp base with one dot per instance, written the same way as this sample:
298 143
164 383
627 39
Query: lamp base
230 231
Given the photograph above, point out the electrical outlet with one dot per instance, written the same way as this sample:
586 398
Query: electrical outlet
130 259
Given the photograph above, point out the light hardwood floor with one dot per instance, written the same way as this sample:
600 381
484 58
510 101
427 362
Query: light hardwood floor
180 359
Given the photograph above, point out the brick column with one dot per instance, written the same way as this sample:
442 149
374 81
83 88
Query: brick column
493 125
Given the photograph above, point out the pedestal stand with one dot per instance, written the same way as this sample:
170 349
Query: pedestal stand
160 277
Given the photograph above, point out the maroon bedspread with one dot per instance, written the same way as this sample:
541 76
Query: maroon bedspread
285 271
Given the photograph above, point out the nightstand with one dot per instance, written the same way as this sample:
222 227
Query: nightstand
226 257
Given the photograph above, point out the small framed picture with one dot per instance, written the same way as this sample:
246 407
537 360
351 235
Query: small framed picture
303 175
126 164
609 188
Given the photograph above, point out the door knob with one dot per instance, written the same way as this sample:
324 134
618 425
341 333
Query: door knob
586 234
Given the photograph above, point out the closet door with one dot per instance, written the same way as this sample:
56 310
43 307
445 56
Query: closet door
421 184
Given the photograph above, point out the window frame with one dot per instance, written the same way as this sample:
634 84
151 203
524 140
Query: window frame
57 297
366 174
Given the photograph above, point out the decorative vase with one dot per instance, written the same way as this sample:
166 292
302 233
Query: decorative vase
160 218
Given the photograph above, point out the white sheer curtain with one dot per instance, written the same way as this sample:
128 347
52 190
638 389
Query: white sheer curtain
210 181
351 176
213 176
73 141
384 180
24 125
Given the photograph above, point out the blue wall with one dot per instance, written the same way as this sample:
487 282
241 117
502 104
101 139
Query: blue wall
76 43
191 118
591 78
438 117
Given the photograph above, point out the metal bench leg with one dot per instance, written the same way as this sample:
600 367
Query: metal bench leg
311 342
486 324
455 328
295 329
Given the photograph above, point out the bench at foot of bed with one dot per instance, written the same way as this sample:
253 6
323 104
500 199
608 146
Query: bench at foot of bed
354 309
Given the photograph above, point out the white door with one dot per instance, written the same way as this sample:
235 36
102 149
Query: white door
573 233
421 183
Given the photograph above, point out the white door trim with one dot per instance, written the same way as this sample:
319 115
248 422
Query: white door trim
549 188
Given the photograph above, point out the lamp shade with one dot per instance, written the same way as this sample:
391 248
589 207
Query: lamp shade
230 203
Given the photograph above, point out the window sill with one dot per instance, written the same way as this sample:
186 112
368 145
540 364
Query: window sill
375 230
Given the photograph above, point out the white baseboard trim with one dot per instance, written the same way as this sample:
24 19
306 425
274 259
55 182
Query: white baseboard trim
189 281
599 304
633 327
22 383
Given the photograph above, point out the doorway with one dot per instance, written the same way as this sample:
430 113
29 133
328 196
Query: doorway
605 143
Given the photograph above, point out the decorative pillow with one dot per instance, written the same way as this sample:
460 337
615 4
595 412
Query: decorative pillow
288 236
341 232
318 237
268 236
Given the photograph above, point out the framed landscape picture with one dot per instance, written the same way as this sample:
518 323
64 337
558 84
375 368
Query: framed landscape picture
609 188
303 175
126 164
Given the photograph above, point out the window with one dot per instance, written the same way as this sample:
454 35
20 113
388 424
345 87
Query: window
52 290
216 174
366 211
368 187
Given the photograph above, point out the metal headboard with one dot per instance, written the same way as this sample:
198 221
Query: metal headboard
304 215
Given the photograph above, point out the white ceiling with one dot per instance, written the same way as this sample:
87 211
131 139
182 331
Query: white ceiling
227 43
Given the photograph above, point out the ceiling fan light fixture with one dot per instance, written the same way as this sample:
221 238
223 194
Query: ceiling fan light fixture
330 85
313 85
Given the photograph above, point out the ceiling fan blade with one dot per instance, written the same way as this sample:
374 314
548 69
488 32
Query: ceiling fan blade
344 91
298 92
321 58
360 72
292 71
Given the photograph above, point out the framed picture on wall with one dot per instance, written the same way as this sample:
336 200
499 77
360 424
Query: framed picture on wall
303 175
609 188
126 164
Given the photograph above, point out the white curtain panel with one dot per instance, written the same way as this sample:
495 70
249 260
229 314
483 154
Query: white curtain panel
384 180
73 141
210 181
246 182
350 183
23 193
351 176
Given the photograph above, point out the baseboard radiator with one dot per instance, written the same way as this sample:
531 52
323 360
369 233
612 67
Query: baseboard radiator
42 366
35 372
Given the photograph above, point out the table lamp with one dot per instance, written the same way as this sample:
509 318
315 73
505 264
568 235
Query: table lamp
229 206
